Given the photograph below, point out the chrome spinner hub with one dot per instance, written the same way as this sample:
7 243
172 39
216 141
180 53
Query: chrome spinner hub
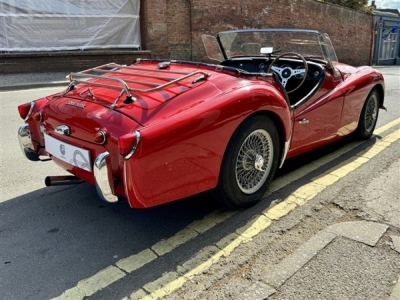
259 162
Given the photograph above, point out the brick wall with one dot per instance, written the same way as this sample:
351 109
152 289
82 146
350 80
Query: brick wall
68 61
179 29
173 28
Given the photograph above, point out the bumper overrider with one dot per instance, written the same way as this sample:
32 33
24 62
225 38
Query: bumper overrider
102 179
25 143
101 172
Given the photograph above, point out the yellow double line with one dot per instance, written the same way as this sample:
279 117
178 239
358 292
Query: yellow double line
171 281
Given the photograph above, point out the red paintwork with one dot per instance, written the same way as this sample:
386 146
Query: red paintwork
185 128
335 108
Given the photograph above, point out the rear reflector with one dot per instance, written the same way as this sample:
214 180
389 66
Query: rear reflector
25 110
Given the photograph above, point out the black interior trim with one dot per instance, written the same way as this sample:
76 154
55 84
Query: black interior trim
257 66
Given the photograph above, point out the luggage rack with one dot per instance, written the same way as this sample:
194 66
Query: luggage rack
121 84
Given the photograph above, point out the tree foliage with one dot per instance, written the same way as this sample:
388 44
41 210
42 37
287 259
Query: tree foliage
361 5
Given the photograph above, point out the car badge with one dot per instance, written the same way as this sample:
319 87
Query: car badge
80 105
62 149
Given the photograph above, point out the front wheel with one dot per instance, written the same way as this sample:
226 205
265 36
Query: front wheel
249 163
368 117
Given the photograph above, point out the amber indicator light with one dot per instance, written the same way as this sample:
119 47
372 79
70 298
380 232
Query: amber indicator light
38 116
100 137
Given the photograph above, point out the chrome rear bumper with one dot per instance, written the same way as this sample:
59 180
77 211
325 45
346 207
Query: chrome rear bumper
101 178
25 143
101 171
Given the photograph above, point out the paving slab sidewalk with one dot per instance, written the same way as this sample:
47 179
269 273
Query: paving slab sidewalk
352 245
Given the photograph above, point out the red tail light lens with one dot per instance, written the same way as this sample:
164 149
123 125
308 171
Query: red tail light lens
25 110
128 143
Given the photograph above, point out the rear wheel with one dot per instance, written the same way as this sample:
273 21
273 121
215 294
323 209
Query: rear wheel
249 163
368 117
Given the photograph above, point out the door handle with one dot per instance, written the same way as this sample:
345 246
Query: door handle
303 121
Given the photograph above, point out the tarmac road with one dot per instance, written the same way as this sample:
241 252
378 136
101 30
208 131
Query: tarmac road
63 242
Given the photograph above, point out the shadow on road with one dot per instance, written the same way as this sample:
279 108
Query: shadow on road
54 237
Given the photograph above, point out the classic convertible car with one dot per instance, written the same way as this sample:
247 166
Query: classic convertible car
160 130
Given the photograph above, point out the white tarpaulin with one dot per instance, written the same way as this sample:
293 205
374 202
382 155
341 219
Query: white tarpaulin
47 25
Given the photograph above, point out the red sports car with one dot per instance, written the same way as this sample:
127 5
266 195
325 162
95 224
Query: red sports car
160 130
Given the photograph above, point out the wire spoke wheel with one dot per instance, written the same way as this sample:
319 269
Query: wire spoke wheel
253 162
249 163
369 116
371 113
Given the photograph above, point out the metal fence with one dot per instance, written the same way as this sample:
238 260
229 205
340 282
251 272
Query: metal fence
48 25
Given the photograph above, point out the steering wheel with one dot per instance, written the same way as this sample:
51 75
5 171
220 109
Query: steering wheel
286 72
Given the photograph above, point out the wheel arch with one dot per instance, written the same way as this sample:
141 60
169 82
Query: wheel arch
229 195
379 88
278 124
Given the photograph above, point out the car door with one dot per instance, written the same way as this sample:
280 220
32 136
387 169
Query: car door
317 120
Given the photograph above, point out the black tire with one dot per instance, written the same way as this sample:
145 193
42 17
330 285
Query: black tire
368 117
254 146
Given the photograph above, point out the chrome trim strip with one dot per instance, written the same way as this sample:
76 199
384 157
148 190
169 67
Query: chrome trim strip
103 133
285 151
129 155
103 186
25 143
126 190
40 116
125 184
30 110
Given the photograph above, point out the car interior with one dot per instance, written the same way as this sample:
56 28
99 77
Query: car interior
261 65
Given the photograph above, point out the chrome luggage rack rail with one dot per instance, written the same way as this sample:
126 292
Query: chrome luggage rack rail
122 83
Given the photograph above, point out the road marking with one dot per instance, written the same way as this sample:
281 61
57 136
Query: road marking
172 281
123 267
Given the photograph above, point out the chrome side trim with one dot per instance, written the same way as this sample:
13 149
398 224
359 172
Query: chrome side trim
103 133
103 186
285 151
30 110
126 184
25 143
129 155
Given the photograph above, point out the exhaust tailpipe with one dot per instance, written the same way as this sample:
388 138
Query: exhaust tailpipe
61 180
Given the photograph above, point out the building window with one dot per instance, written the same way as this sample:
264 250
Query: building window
388 50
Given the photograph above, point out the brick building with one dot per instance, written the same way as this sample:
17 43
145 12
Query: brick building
173 28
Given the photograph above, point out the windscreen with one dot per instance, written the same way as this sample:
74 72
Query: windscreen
250 43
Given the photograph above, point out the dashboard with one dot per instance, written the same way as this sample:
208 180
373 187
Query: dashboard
261 65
